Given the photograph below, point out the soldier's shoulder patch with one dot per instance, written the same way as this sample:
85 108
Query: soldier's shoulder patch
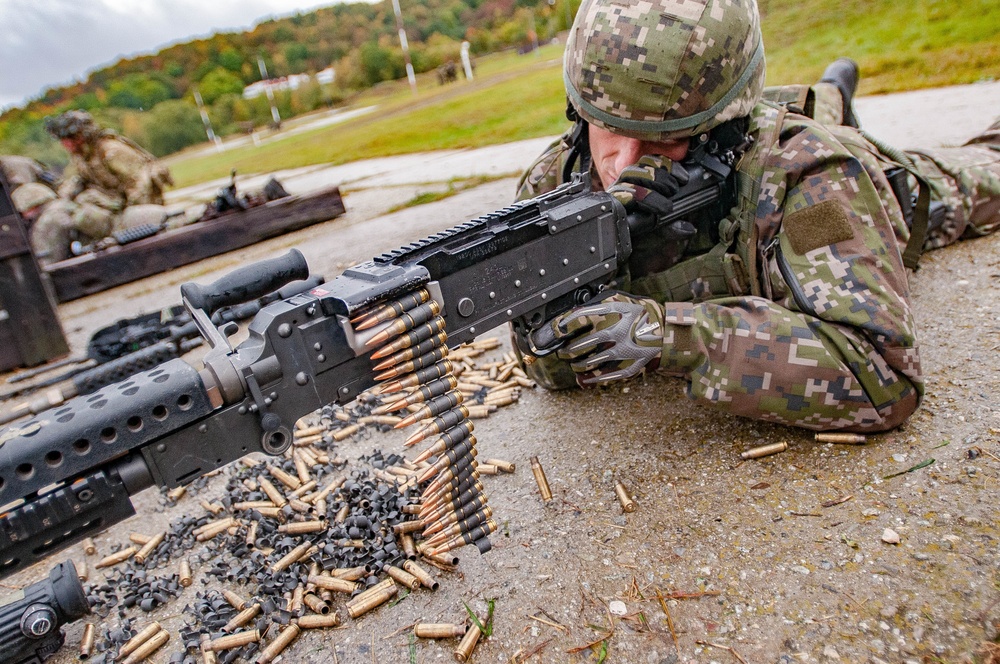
817 226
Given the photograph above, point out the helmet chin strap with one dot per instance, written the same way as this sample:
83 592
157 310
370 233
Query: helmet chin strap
579 144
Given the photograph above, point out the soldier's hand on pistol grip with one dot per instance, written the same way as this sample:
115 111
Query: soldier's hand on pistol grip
647 187
619 336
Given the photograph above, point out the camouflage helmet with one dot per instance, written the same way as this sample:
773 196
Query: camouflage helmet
70 124
31 195
658 70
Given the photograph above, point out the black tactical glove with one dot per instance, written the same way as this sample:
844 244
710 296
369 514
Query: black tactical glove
646 188
616 337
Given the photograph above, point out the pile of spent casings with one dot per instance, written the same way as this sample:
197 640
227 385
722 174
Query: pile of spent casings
304 536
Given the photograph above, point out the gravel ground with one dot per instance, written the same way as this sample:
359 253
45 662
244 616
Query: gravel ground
780 559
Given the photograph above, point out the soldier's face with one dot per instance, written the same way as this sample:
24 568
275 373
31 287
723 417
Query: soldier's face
72 144
612 153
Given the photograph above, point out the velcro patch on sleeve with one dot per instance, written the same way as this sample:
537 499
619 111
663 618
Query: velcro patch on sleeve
817 226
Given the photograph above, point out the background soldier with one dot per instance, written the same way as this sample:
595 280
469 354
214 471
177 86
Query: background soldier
793 307
116 186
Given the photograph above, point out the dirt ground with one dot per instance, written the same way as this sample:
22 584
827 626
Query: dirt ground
780 559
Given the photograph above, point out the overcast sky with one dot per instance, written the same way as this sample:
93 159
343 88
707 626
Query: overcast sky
47 43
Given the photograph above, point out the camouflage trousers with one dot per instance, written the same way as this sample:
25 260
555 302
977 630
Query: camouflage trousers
64 221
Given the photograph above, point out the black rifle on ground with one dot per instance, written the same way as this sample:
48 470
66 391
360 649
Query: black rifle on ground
70 477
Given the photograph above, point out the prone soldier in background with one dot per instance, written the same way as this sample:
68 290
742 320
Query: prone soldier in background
792 304
116 186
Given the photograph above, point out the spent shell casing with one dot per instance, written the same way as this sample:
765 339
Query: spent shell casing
116 558
626 501
342 513
389 310
252 505
328 489
272 492
138 538
426 360
212 508
87 641
412 526
303 490
184 574
384 595
764 450
346 432
413 352
402 577
231 641
149 547
331 583
370 592
316 604
540 479
291 557
488 469
234 600
468 643
302 527
414 337
438 630
289 480
318 621
148 648
841 438
89 547
297 600
404 323
82 569
282 641
441 423
301 471
432 408
207 656
145 634
425 578
417 378
252 533
176 493
350 573
502 465
242 618
407 545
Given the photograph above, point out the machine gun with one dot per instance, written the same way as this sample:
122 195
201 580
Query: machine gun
68 474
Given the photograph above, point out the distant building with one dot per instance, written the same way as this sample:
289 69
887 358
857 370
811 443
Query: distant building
292 82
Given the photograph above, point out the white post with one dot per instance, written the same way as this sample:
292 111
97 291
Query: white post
406 47
466 62
205 121
270 93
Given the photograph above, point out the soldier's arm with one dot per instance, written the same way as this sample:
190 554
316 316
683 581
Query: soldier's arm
832 346
130 167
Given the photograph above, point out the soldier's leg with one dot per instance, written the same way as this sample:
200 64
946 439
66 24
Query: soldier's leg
52 232
967 180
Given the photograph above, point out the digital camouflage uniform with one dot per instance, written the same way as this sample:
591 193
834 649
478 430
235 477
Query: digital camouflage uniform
18 170
801 314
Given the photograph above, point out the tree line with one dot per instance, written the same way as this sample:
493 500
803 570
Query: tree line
151 98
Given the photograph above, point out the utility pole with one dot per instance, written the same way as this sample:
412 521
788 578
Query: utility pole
406 47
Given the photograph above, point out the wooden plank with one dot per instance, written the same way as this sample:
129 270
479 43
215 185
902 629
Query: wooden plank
93 273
